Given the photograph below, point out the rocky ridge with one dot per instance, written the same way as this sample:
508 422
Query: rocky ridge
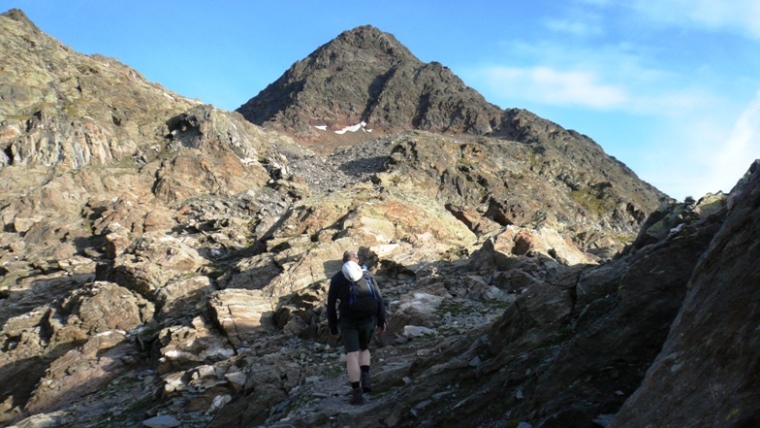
181 279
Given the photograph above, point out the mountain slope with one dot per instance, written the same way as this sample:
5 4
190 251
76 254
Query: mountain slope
64 108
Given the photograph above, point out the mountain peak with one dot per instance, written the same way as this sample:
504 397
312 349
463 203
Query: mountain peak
366 80
369 38
18 15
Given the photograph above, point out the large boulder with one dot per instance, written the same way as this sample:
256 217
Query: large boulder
183 297
152 261
251 273
182 347
243 315
83 371
191 173
212 151
612 339
103 306
518 241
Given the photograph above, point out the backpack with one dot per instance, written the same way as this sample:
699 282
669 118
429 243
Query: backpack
362 300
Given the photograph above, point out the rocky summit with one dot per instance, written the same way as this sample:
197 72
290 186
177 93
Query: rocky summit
366 81
166 263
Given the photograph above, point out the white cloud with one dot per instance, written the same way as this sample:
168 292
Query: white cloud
617 87
740 148
704 152
575 27
554 87
622 77
693 143
739 16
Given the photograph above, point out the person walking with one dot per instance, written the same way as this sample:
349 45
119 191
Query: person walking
355 304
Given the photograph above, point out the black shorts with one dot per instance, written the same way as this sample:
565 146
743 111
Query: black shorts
357 333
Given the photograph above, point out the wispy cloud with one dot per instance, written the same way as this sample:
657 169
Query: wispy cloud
693 143
599 78
704 151
741 147
555 87
740 16
575 27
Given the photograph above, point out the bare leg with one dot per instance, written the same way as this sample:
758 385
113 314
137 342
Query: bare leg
364 357
352 366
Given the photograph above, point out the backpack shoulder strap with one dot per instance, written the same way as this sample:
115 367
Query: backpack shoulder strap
371 284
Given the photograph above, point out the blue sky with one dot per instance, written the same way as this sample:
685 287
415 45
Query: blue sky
669 87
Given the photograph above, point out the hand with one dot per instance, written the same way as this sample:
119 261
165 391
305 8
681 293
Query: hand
381 328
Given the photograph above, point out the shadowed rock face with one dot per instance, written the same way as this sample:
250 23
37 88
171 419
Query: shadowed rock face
164 258
707 372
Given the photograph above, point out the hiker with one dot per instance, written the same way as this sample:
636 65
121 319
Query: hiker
359 314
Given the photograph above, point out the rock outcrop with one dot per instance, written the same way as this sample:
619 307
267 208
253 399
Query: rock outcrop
707 371
63 108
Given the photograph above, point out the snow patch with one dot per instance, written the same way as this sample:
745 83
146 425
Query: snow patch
352 128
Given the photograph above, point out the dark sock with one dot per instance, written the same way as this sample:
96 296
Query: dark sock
366 383
355 385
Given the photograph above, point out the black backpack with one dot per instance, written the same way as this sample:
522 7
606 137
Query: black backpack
362 297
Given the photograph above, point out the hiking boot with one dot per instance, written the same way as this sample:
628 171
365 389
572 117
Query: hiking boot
366 384
356 396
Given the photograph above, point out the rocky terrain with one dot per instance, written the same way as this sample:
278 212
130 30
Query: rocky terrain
165 263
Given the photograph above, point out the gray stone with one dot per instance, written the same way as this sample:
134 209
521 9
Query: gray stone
417 331
162 421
